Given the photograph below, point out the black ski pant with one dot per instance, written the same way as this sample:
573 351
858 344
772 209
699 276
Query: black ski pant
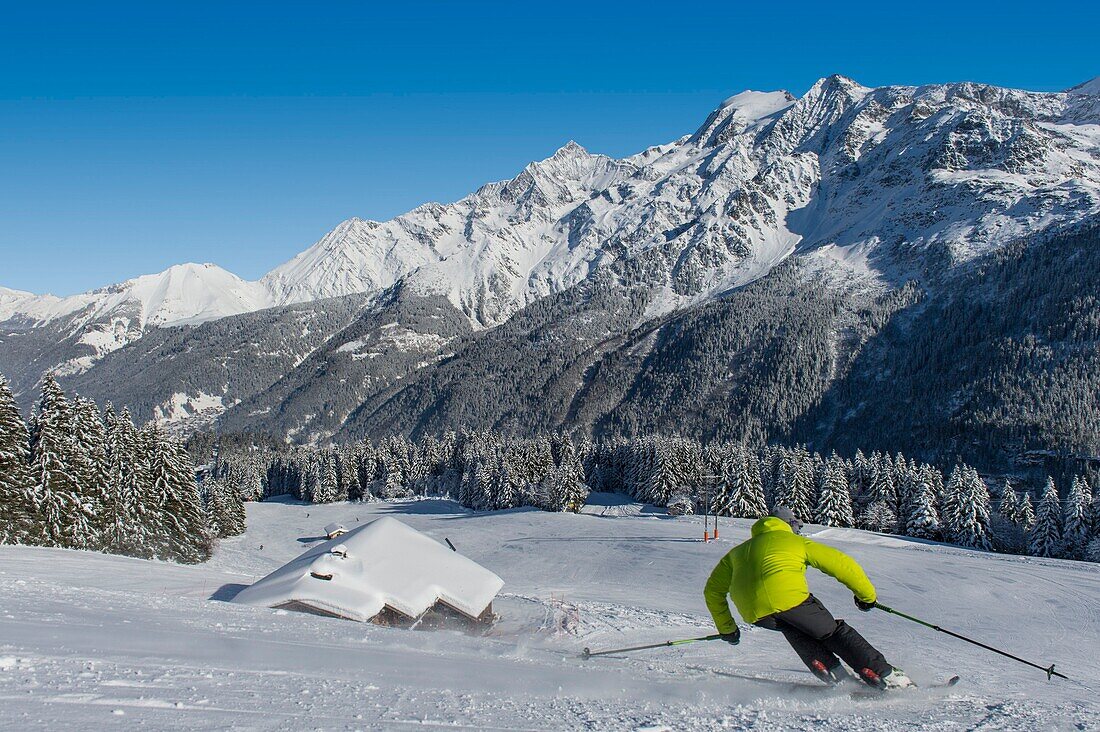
818 639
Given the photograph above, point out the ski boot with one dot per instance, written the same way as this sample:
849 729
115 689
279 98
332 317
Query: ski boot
896 679
832 676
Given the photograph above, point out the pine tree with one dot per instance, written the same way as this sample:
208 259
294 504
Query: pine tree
466 486
902 475
718 496
1025 512
66 521
1075 536
903 492
882 489
768 460
366 467
1094 514
224 508
661 481
746 496
397 469
953 496
417 469
550 495
798 491
1045 537
972 527
922 522
506 491
1008 534
348 471
127 523
834 504
151 501
1092 551
480 496
327 488
574 489
183 534
937 485
1009 507
587 454
613 469
92 468
19 516
861 475
245 477
597 477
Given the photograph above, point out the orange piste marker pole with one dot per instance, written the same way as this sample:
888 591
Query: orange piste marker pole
706 517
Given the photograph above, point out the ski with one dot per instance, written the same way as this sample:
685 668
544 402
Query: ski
871 691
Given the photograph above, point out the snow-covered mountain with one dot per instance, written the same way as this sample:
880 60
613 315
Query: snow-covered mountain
182 294
867 187
965 166
103 320
850 172
491 252
1092 86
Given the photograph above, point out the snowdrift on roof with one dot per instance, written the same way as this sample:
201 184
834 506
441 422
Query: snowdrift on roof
383 565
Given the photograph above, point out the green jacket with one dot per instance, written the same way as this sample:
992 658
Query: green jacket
767 574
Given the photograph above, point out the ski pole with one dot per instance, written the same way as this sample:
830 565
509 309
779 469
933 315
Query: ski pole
586 654
1048 669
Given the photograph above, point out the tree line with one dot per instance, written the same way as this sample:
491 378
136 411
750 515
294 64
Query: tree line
485 470
75 477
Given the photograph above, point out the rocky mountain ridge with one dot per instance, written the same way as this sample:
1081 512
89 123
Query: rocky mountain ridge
861 189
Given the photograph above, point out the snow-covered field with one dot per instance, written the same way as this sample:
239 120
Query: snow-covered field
96 642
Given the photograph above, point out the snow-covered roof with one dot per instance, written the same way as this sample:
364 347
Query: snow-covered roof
383 563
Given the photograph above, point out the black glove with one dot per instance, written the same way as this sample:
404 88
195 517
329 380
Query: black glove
732 638
864 606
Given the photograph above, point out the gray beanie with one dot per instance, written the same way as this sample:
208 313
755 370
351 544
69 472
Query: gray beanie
782 512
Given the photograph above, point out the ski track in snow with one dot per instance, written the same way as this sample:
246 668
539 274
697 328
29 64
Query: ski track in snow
89 641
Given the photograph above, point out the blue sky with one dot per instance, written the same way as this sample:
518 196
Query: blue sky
138 135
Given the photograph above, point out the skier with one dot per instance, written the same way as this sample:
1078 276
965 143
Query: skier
766 577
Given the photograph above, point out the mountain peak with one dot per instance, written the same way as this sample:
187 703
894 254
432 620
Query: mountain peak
570 149
11 300
569 154
190 293
739 112
837 84
1092 86
9 292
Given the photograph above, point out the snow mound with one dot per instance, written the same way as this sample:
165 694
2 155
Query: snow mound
384 564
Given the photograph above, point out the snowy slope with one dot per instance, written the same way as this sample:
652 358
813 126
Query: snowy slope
90 641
